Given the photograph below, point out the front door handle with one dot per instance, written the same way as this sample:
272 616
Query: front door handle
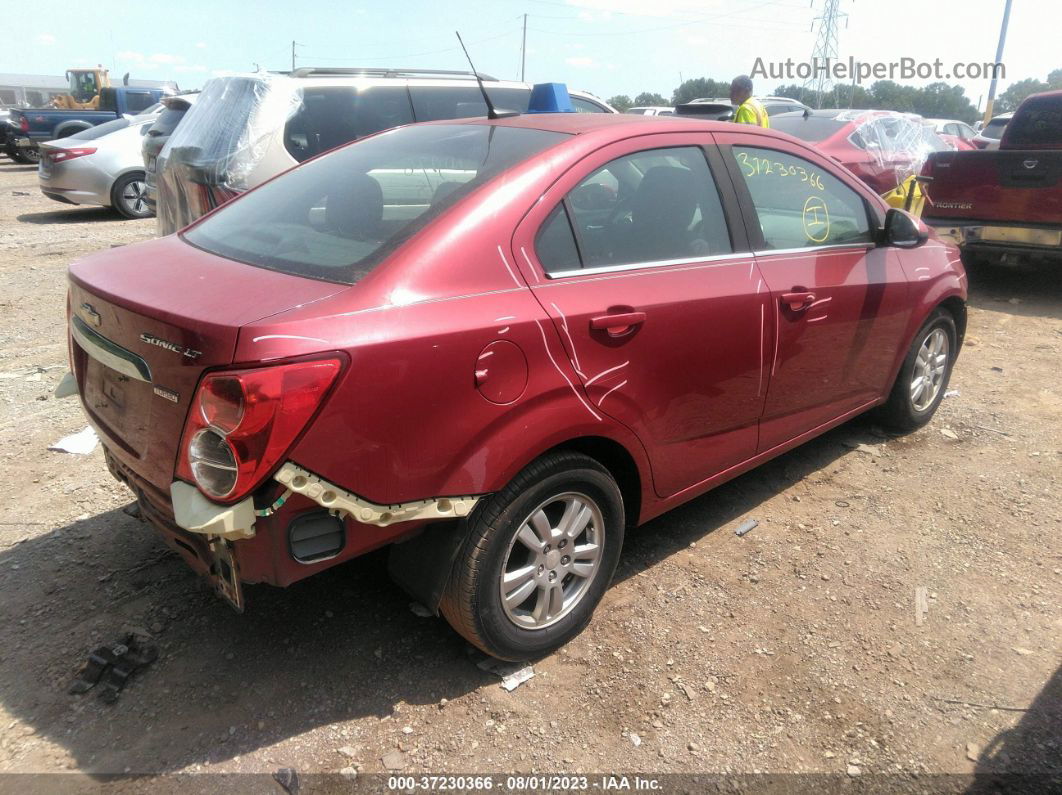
617 324
798 302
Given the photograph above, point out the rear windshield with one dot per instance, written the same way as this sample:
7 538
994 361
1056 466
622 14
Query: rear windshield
1037 124
100 130
337 217
807 128
166 123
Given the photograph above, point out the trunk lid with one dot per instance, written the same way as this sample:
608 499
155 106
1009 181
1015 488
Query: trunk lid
146 321
996 185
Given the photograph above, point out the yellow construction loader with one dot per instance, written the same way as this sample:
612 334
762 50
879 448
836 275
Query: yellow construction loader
85 86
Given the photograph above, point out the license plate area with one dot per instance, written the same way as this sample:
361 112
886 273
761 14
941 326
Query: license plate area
1028 237
120 403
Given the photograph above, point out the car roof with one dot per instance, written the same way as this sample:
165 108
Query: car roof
586 123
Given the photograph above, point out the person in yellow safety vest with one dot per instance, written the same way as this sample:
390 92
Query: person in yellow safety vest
749 110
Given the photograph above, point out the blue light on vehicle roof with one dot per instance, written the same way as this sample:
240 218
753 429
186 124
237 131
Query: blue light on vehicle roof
550 98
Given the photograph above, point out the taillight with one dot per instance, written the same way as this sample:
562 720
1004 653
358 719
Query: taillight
62 155
242 422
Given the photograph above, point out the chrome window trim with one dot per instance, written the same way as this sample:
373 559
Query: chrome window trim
640 265
770 251
108 353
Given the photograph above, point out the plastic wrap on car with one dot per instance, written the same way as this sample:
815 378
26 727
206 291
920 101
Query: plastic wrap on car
897 142
219 142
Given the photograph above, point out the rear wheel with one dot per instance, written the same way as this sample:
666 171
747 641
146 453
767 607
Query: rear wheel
924 376
128 196
537 559
28 156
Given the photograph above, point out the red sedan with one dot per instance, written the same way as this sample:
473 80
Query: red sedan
497 345
882 148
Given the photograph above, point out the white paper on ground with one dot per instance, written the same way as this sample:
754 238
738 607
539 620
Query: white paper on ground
80 443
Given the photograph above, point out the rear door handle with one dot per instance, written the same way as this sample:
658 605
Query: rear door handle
617 324
798 302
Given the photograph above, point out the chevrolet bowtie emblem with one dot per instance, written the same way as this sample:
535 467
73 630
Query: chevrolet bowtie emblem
88 312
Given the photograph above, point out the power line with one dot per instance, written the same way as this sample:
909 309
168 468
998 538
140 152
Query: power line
714 18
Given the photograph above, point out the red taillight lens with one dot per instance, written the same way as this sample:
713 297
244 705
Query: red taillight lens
242 422
62 155
23 124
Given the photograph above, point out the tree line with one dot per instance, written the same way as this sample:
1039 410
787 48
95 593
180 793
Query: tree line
934 101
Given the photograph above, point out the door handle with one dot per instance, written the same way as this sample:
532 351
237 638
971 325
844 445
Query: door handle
617 324
798 302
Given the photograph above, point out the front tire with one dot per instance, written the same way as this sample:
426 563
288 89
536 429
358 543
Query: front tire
537 558
128 196
924 375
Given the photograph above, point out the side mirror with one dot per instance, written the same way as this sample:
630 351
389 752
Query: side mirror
903 230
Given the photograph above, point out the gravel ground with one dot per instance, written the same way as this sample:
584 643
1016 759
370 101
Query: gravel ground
793 649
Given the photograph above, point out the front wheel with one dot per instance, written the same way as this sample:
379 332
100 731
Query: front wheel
924 375
129 196
537 559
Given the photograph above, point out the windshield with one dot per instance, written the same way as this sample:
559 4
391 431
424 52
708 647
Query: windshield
807 128
337 217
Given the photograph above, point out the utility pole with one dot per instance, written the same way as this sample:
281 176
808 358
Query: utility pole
999 57
825 51
523 51
293 43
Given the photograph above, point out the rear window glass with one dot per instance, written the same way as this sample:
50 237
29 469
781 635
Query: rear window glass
100 130
1038 123
809 128
336 218
167 121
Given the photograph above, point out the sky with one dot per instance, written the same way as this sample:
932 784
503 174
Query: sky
606 47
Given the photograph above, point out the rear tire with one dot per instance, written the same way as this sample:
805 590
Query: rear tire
128 196
27 157
537 558
924 375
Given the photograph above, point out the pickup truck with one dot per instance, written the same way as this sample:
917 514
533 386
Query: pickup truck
1004 205
31 126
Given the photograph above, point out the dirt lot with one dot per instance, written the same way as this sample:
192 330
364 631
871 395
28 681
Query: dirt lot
792 649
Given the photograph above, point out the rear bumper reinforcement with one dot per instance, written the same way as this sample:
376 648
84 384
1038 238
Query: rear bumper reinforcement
339 501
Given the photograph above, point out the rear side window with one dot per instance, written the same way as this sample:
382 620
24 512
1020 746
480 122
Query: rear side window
586 106
136 101
330 116
799 204
1037 124
434 103
994 129
653 206
338 217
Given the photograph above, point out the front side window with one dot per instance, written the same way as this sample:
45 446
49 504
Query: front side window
798 203
336 218
653 206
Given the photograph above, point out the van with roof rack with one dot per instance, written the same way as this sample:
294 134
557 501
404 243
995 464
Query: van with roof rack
247 128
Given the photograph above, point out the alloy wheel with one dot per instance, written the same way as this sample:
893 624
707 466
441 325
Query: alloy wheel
930 367
552 560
